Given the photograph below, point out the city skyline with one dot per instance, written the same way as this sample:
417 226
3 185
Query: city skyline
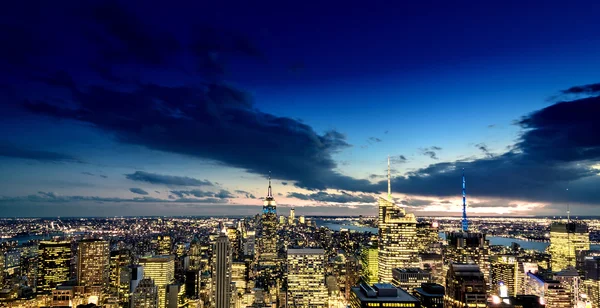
120 109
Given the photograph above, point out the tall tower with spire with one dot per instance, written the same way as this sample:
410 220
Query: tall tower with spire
389 180
268 231
465 221
397 247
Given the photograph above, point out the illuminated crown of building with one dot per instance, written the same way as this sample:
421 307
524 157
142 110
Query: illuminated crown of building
269 205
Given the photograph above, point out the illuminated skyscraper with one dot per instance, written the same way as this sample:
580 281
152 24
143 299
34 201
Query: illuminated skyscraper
505 276
551 293
292 218
119 282
410 278
235 242
222 271
428 238
164 245
268 235
465 286
397 237
54 262
145 295
93 263
306 278
369 266
566 239
468 248
161 269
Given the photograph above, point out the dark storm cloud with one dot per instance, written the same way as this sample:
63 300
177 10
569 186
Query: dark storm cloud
431 152
9 150
196 121
138 191
556 150
169 180
586 89
338 198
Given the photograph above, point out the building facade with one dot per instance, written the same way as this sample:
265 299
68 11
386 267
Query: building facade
54 263
161 269
306 278
93 263
566 239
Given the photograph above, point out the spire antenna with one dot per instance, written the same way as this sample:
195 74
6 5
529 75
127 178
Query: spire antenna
568 209
389 180
465 222
269 193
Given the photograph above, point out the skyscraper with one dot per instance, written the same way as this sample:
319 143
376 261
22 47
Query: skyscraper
164 245
369 266
306 278
268 235
468 248
119 284
161 269
93 263
465 286
145 295
397 237
292 218
566 239
428 238
222 271
381 295
505 276
54 262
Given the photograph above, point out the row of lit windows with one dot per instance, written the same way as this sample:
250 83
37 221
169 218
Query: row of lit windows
390 304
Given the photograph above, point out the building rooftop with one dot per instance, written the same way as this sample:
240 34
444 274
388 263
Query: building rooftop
431 289
382 292
299 251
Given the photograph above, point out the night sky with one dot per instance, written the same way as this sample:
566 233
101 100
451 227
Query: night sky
183 108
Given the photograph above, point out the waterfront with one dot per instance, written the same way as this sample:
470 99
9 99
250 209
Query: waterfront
337 225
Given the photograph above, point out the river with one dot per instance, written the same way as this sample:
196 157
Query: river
494 240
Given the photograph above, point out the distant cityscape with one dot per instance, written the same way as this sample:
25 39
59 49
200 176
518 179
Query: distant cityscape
270 260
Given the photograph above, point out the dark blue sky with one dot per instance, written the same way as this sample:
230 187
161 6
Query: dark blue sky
126 108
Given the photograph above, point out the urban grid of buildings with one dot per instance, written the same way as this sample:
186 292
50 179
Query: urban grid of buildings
273 261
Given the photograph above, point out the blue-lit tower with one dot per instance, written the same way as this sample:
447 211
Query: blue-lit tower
465 221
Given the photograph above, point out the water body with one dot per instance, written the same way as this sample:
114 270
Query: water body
337 225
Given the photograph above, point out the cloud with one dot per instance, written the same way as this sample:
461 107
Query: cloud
138 191
284 183
93 174
12 151
195 121
169 180
246 194
373 140
558 149
194 192
398 159
344 197
431 151
586 89
484 148
224 194
51 197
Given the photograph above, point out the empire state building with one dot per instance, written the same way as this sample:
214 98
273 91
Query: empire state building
268 236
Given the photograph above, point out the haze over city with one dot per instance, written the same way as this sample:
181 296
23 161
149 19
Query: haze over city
124 109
